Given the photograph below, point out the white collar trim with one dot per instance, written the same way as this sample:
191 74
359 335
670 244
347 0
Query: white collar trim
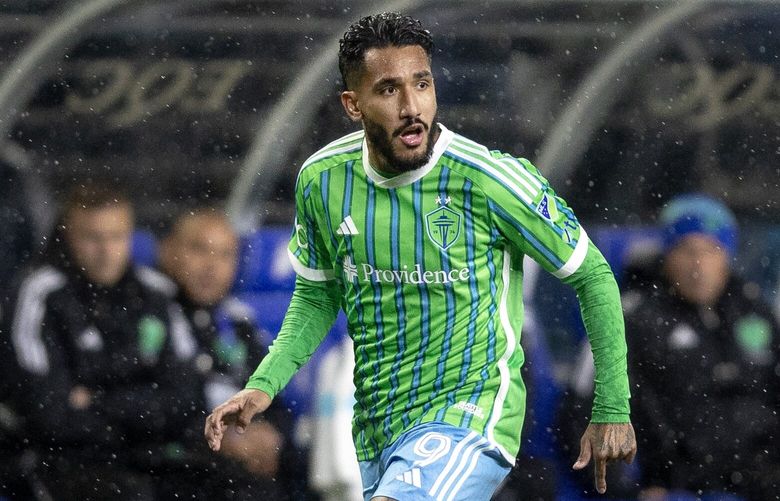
445 137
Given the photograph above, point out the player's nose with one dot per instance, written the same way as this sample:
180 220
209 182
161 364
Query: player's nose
409 104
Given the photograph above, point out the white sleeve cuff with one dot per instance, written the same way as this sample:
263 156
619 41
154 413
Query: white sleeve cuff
309 273
577 257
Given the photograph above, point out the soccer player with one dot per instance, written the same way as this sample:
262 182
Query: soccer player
419 233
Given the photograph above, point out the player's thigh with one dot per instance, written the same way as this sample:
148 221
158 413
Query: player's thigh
441 462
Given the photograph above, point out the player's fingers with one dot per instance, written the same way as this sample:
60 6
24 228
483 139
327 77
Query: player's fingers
213 432
215 423
628 445
585 453
245 415
629 458
600 473
224 411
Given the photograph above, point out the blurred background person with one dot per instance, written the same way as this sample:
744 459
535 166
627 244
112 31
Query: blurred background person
200 254
704 364
97 358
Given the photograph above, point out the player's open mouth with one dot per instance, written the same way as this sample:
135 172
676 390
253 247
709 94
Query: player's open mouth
412 136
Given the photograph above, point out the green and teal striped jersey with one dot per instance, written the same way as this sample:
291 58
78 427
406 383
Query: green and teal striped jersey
429 264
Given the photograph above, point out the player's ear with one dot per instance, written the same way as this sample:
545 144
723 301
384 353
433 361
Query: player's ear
350 103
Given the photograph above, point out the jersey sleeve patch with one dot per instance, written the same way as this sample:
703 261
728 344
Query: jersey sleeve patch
547 209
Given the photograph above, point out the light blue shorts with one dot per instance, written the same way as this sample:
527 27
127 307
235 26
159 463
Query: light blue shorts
435 461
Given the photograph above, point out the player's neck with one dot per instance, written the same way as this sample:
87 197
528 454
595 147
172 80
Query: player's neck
382 172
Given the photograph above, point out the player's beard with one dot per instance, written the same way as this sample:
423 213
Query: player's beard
379 138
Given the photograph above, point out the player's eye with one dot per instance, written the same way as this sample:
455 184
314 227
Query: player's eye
388 91
423 85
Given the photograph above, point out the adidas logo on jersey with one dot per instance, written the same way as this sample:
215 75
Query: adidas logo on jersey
347 227
411 477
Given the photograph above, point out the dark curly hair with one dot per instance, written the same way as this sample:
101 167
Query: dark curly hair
379 30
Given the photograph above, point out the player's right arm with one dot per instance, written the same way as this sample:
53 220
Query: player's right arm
313 308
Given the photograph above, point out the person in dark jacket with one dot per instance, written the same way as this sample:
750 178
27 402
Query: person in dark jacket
99 358
704 365
705 362
201 254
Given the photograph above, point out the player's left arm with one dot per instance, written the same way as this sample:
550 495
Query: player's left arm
542 226
610 435
602 314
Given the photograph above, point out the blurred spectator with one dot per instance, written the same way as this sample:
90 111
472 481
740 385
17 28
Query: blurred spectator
201 255
100 358
704 364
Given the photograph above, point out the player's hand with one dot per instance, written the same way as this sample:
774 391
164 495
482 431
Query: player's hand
606 442
238 410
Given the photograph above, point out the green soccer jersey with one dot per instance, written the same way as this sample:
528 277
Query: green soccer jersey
429 264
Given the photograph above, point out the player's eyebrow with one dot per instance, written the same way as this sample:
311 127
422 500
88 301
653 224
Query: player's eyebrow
386 81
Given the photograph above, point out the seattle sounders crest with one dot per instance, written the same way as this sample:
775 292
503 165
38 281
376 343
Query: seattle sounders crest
443 225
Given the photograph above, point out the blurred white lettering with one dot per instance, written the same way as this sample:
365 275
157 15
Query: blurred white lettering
699 96
126 94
